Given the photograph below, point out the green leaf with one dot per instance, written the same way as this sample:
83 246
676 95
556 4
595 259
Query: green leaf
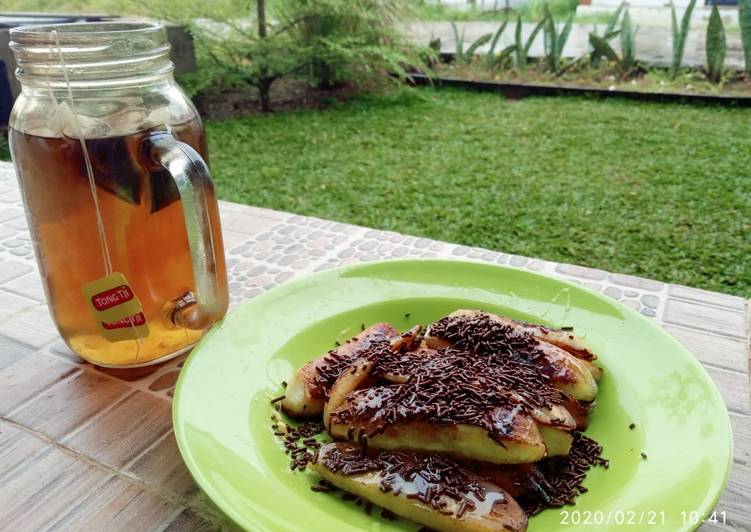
490 58
679 36
628 44
520 57
532 37
673 22
715 45
484 39
563 37
549 38
613 22
744 20
459 42
506 56
602 47
611 34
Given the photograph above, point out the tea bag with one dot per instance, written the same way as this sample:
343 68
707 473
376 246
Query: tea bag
114 169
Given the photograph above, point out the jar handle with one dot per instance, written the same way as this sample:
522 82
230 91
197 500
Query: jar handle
193 180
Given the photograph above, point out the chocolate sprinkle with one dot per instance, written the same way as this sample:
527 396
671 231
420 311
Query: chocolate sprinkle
560 479
300 456
338 360
452 388
489 375
480 335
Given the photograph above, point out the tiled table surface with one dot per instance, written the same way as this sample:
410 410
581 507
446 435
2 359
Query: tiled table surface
87 448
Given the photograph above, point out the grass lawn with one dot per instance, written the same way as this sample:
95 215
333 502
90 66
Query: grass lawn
662 191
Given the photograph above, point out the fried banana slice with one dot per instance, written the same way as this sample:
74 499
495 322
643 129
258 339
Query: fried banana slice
360 373
556 425
566 340
309 388
518 480
430 490
568 373
501 436
407 341
353 378
555 421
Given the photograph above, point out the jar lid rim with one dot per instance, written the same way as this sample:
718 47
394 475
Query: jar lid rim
88 28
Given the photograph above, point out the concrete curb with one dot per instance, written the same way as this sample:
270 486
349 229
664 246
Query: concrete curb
516 91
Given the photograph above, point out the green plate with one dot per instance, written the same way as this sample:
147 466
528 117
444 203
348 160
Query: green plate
221 405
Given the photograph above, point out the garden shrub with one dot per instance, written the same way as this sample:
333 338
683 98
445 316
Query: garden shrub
253 43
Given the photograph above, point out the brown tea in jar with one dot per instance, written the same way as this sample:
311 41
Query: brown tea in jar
118 198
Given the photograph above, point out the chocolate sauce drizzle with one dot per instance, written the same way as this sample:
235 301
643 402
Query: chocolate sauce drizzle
450 388
479 334
338 360
488 374
433 478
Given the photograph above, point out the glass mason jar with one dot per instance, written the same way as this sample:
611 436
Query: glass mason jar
111 161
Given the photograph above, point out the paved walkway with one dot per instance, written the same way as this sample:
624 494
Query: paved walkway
653 40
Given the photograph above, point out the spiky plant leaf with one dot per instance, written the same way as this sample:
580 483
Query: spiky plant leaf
715 45
679 36
484 39
532 36
565 32
521 51
609 33
505 57
520 58
458 41
744 19
602 47
673 23
628 44
490 58
613 21
550 36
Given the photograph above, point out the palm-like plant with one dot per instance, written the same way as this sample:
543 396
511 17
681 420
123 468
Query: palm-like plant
554 41
680 34
715 46
602 48
521 48
744 19
610 32
463 57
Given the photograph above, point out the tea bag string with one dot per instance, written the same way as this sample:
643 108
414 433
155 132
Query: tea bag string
92 183
86 158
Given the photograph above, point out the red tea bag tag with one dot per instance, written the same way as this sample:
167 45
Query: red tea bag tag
116 308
